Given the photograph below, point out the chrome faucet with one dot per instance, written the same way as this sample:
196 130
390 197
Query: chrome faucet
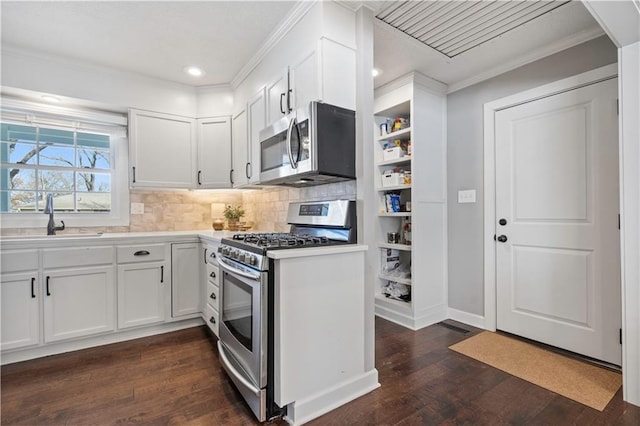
48 209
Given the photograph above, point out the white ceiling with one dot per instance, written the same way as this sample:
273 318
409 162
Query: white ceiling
160 38
155 38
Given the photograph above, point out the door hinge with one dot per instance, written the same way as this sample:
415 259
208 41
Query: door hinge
620 336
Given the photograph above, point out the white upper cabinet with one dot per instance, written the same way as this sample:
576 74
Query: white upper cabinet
162 150
277 97
214 153
303 77
239 171
257 115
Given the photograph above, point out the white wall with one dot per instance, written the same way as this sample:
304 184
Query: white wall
113 89
465 153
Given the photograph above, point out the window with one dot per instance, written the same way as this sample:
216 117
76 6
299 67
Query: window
77 160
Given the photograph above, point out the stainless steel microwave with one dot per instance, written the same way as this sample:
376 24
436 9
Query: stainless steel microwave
310 146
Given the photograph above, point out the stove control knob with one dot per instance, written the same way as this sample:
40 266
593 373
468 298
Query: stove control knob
253 260
242 257
233 254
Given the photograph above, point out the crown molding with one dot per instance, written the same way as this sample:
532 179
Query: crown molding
292 18
415 78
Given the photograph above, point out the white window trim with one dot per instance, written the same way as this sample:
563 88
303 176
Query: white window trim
33 113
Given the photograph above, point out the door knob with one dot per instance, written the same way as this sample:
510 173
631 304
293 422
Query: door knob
502 238
502 222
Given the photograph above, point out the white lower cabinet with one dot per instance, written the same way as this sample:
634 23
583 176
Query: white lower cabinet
143 284
185 279
78 302
20 314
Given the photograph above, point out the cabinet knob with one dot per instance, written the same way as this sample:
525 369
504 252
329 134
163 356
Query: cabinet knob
213 255
212 274
213 296
212 320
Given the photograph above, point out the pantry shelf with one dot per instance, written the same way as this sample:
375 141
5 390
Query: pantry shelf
405 247
396 135
398 214
394 188
406 281
396 161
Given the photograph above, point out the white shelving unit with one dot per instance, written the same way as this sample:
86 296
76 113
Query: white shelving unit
422 102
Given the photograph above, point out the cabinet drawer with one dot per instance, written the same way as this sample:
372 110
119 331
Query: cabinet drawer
19 260
213 295
211 317
211 254
77 256
213 272
141 253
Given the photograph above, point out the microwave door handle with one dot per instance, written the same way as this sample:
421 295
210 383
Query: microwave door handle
293 122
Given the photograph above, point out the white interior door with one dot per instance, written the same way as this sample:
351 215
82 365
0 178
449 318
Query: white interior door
558 272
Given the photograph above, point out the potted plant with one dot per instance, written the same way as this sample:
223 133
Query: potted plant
233 215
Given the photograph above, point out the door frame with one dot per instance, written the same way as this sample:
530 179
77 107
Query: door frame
490 109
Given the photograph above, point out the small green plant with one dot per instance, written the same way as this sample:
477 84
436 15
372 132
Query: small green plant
233 212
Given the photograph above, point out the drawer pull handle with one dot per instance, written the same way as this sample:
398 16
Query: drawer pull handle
141 253
213 296
162 274
33 288
212 320
48 292
212 274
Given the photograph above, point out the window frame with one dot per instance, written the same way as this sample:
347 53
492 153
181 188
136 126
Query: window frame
81 120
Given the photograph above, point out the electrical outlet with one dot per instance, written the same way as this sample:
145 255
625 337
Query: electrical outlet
467 196
137 208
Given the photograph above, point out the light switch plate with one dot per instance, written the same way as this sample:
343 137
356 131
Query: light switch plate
137 208
467 196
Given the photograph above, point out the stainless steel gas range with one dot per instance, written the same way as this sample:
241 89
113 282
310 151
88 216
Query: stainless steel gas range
246 345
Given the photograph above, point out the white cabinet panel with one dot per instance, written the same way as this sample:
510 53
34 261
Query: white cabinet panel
185 279
20 314
239 172
277 97
305 80
257 115
141 294
214 152
78 302
162 150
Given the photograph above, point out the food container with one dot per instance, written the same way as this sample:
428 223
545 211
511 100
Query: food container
392 179
392 153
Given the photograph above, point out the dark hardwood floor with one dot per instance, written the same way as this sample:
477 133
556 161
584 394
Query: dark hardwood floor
176 379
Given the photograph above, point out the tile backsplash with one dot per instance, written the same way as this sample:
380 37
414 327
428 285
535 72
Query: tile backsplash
191 210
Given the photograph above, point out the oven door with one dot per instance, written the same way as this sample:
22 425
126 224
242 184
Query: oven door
243 320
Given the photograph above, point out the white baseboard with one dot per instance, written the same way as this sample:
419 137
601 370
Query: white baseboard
430 316
466 318
303 411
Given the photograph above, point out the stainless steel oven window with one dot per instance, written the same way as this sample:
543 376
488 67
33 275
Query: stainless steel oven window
237 310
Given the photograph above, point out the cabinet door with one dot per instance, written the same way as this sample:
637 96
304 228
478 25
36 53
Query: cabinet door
78 302
305 80
141 294
214 152
186 284
162 150
257 115
239 144
20 315
277 97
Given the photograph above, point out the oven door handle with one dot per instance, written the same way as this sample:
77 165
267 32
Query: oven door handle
236 374
224 264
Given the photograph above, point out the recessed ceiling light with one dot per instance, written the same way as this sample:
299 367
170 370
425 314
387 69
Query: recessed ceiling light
52 99
375 72
194 71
